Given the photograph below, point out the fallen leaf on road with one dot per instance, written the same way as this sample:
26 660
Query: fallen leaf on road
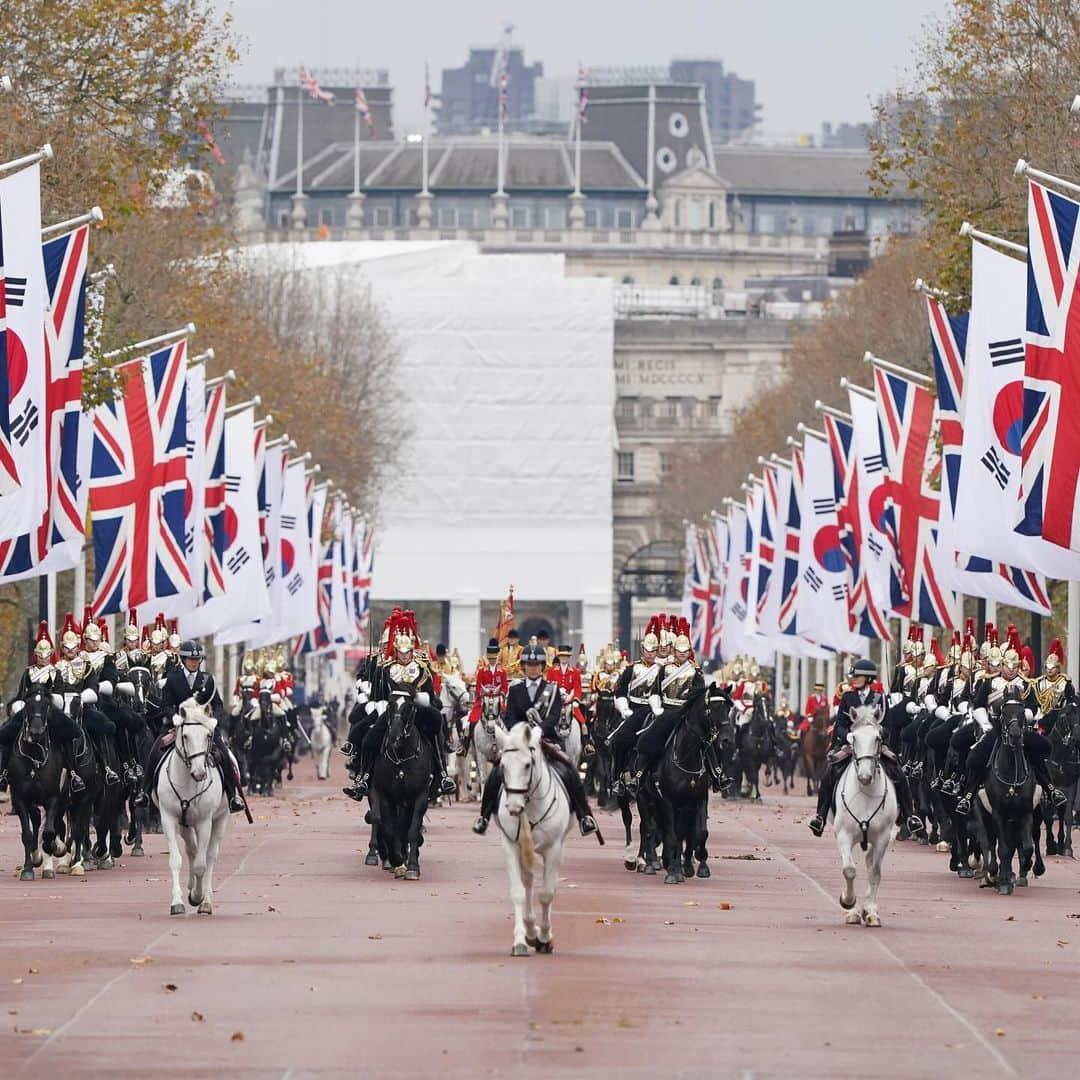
748 857
691 903
169 988
236 1036
1062 942
374 937
16 981
603 921
1000 1033
725 906
198 1017
34 1031
618 919
138 961
33 971
622 1022
270 907
1038 997
669 922
1010 918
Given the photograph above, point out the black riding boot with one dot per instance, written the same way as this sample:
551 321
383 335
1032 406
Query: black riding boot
905 803
446 786
67 757
1042 775
489 801
579 801
826 790
362 783
105 759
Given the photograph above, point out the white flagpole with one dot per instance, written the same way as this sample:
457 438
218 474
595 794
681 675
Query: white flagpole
44 154
500 165
299 138
92 215
577 153
79 591
356 150
1072 631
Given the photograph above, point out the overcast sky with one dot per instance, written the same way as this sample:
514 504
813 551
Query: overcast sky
811 61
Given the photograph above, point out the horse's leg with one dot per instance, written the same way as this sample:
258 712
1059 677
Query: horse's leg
844 841
875 856
29 839
629 857
672 852
197 853
1032 852
702 839
170 828
217 830
1005 858
412 849
552 863
517 895
527 879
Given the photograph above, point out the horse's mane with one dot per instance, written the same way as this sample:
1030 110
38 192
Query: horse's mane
865 715
191 712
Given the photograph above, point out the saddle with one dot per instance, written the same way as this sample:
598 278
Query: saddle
554 752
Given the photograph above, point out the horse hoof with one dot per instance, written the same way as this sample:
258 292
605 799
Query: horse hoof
673 878
387 867
176 909
924 840
853 918
399 872
48 875
206 908
372 859
137 851
77 869
1051 848
965 872
1004 888
194 900
520 950
1021 882
37 858
847 905
649 869
703 871
871 920
531 942
1040 870
105 863
630 864
943 846
412 875
27 875
545 946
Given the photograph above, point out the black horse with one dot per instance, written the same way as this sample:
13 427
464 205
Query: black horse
1064 764
35 776
140 702
267 756
1010 792
400 783
682 786
755 742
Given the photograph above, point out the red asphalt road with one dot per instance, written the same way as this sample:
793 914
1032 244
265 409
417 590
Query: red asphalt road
315 965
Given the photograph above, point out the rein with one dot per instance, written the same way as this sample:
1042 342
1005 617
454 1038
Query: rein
26 741
864 826
178 750
529 793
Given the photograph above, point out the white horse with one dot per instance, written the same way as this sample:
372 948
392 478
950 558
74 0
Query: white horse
485 750
534 819
321 742
193 806
864 812
455 699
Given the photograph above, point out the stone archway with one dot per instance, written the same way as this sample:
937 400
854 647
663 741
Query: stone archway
656 571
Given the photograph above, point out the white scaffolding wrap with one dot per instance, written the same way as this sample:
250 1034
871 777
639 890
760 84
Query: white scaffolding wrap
507 392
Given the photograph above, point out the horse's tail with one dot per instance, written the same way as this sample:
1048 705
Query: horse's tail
528 848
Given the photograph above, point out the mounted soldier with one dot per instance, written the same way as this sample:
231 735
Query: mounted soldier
537 701
1053 689
1010 684
41 672
860 693
187 680
404 673
365 712
490 688
635 689
160 657
510 655
568 679
96 651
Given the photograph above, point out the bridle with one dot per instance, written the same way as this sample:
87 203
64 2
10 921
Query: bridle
529 791
180 750
864 825
35 741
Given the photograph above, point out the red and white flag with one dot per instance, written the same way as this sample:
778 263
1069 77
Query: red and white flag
364 109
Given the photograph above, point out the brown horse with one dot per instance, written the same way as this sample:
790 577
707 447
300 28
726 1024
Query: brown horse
814 745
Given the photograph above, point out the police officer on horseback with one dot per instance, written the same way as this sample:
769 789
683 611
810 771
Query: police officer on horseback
186 679
537 701
860 693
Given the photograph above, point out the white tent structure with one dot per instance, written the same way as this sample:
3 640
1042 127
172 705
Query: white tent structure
507 390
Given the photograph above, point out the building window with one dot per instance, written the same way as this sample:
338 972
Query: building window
678 213
712 214
381 217
592 219
326 216
666 464
715 407
626 408
624 219
624 465
554 217
674 279
628 279
448 217
520 217
668 409
695 281
717 284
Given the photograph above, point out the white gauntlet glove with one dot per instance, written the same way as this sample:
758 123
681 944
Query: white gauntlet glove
423 698
622 706
656 703
105 687
941 712
895 698
381 707
88 697
912 708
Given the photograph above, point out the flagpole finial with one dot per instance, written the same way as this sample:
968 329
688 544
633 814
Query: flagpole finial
1021 167
47 151
965 228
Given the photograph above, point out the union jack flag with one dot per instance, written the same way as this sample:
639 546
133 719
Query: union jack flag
321 634
699 606
789 605
864 616
766 545
716 548
9 473
948 342
137 481
65 274
1050 445
905 420
583 94
309 83
363 572
214 494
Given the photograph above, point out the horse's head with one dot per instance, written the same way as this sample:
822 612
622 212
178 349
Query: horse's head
865 740
519 750
718 723
402 708
39 705
318 716
141 680
1011 724
490 712
1067 730
194 732
266 706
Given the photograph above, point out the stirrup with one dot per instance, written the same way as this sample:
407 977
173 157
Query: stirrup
963 805
3 781
346 748
447 786
78 784
1057 796
480 825
817 825
140 802
111 779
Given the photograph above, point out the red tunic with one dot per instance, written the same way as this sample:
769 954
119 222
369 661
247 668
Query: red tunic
490 682
568 679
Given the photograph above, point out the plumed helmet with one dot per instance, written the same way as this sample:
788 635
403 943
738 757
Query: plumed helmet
865 667
191 650
159 634
682 643
1055 658
131 630
69 635
403 642
918 647
533 654
91 634
43 647
994 657
955 648
174 634
650 643
249 663
492 647
1011 657
1027 659
967 659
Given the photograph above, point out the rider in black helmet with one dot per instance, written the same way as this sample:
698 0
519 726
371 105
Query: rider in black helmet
861 692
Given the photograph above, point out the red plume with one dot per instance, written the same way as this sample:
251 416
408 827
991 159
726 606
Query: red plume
1057 650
